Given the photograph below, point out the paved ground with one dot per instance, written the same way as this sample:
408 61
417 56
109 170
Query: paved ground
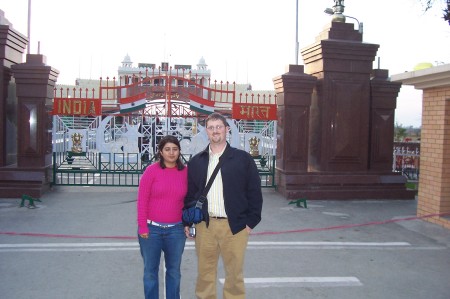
80 243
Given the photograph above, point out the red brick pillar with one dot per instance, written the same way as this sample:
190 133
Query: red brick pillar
35 84
12 46
341 111
31 175
293 90
336 124
382 118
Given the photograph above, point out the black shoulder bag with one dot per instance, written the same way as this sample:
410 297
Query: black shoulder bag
194 214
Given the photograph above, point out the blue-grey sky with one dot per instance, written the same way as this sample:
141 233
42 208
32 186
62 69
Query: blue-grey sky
249 41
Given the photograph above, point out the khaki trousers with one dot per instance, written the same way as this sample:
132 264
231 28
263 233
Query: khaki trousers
212 242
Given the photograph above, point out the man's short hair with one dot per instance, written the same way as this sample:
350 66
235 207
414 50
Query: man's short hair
216 116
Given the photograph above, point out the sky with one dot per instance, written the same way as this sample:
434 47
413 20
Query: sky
249 41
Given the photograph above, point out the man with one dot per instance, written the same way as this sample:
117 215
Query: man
232 210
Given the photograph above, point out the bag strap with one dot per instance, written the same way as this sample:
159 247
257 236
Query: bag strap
213 176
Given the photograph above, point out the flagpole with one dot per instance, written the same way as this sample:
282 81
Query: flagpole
168 104
296 33
28 25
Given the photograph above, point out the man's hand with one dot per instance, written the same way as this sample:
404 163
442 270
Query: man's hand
186 232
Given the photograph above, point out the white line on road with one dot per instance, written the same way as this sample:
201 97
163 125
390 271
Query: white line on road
190 243
68 249
27 245
123 246
299 282
333 243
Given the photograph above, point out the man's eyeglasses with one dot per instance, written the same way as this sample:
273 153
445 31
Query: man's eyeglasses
218 128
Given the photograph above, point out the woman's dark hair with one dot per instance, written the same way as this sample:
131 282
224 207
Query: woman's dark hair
162 143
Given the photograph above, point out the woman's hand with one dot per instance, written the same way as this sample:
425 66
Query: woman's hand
144 236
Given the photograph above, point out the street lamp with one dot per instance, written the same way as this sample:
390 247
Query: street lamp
338 10
338 16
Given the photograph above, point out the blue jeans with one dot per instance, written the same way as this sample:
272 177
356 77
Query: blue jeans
171 241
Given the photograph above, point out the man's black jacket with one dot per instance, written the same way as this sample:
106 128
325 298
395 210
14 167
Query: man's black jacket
241 186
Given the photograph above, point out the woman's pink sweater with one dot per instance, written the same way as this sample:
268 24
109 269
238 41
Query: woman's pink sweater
160 196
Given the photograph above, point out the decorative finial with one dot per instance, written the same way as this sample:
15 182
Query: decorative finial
338 9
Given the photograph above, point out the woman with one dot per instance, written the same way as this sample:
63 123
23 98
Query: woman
159 206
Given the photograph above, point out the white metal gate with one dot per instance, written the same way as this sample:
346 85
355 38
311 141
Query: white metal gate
114 148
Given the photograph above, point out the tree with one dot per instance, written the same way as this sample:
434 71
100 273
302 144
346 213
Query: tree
446 11
399 132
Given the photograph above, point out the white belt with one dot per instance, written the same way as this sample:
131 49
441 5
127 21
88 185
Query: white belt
160 225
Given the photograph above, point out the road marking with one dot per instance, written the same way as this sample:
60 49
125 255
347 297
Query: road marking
332 243
124 246
326 245
299 282
191 243
68 249
116 244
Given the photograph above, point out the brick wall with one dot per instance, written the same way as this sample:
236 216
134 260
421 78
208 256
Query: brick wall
434 181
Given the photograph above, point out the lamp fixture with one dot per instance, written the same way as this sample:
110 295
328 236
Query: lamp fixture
339 17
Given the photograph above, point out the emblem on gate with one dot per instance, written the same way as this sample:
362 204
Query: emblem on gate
254 142
76 142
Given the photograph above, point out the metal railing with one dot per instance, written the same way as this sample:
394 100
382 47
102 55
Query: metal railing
407 159
124 169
